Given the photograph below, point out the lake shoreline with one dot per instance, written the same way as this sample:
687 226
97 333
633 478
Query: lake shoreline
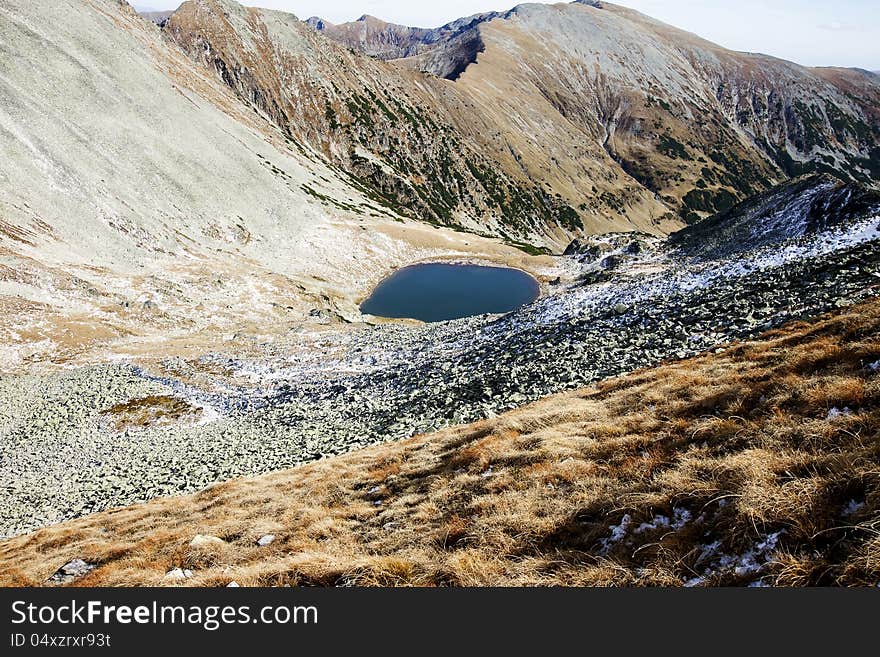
442 291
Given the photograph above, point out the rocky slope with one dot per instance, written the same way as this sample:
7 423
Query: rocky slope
797 209
125 433
376 38
754 466
143 203
194 211
697 126
387 127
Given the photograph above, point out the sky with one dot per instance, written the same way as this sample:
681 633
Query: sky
809 32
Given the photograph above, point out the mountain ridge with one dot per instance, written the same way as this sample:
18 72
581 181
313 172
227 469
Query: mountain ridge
762 126
142 200
384 125
681 35
378 38
190 215
261 150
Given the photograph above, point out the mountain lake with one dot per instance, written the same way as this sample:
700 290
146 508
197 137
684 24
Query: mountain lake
436 292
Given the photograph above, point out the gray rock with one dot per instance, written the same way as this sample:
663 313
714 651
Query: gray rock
610 262
203 542
178 574
71 571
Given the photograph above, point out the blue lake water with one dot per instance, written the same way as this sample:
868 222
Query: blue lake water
435 292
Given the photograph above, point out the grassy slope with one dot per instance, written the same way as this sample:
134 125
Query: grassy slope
740 441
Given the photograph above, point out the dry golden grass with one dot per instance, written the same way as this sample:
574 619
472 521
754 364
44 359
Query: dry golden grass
156 410
737 446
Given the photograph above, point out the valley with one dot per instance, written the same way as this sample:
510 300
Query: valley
311 394
749 467
197 206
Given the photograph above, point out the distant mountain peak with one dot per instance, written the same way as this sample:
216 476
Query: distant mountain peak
318 23
157 17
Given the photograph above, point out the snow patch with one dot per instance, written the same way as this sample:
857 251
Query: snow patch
751 562
853 507
209 415
680 518
836 413
618 533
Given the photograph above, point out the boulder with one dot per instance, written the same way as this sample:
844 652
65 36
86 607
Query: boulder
610 262
178 574
201 542
72 570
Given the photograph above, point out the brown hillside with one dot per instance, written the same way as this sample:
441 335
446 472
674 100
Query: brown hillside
542 122
757 464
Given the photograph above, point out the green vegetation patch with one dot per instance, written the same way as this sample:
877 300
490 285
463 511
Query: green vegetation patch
671 147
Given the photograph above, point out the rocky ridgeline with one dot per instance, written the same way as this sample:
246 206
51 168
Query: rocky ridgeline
329 393
605 119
